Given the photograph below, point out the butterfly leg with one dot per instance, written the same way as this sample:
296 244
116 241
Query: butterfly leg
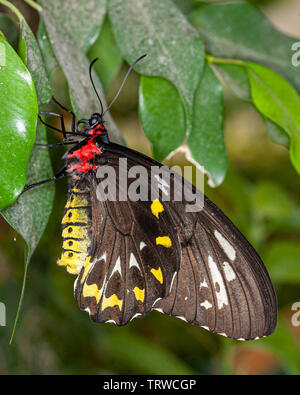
54 114
57 144
60 174
69 111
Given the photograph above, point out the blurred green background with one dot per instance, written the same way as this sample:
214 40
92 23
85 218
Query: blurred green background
260 194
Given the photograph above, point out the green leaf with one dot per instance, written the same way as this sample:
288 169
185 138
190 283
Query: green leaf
35 64
206 140
275 98
50 61
235 78
173 47
239 30
145 357
29 52
30 213
276 133
9 29
110 58
66 34
18 116
282 260
161 115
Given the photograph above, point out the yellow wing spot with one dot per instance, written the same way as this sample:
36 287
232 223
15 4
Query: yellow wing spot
139 293
113 300
164 241
157 274
90 291
79 232
75 215
87 264
156 208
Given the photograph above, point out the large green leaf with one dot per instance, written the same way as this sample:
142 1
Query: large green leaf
18 116
110 59
275 98
206 140
70 40
173 47
239 30
235 77
161 115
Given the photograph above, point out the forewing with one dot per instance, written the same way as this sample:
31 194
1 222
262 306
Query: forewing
134 255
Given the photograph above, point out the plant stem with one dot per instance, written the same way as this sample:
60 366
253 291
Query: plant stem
14 9
34 5
212 59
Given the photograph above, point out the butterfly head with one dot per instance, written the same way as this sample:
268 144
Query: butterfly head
96 128
95 119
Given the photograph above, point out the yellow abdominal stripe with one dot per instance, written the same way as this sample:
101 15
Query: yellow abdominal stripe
76 242
164 241
139 293
157 274
156 208
79 232
74 215
76 201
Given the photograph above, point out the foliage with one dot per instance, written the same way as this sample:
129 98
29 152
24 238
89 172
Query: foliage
195 52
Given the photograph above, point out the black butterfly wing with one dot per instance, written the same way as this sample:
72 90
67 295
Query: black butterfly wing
222 284
133 257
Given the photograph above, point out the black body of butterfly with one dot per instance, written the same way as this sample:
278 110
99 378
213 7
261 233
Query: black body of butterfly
134 256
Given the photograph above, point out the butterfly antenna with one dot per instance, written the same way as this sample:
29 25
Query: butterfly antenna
91 78
124 80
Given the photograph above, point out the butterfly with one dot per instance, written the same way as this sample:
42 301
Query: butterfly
150 250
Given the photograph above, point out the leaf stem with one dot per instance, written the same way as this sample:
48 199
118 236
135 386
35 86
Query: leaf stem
34 5
212 59
13 9
21 296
